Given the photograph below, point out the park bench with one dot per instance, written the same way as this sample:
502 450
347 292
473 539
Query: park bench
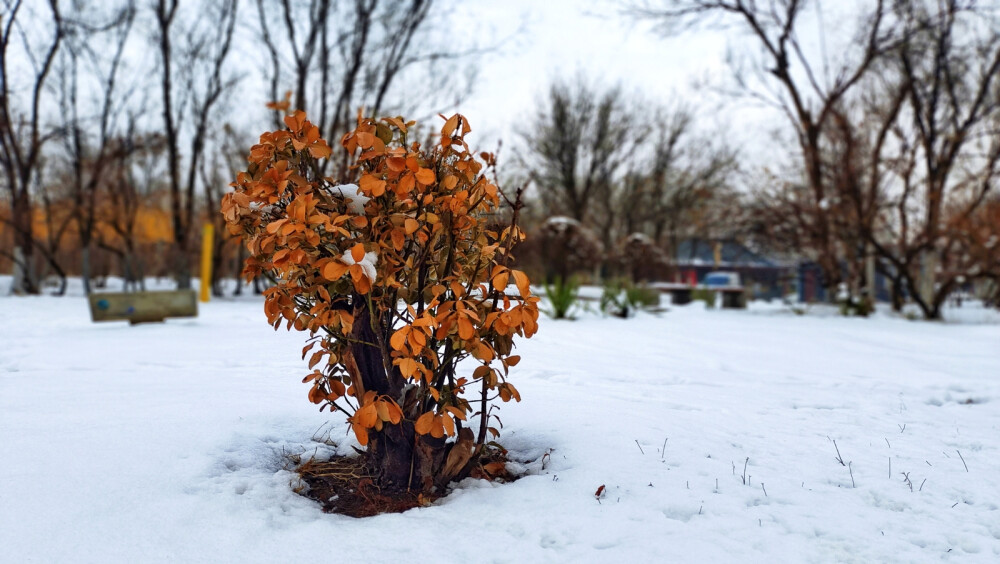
680 293
142 307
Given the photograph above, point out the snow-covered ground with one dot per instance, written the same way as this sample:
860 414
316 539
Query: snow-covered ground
168 443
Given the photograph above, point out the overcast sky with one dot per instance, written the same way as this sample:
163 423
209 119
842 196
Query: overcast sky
561 38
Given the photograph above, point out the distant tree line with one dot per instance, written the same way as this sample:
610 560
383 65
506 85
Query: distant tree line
120 122
119 135
895 145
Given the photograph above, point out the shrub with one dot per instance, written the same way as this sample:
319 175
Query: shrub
568 248
562 296
623 298
705 295
639 258
397 279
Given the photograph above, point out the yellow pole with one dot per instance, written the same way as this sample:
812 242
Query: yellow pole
207 239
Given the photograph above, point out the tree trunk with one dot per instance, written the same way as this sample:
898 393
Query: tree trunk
182 266
401 459
25 277
85 268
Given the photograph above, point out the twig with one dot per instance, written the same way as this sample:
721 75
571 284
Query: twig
663 451
640 446
963 460
840 459
763 488
853 485
745 462
901 427
922 485
906 478
887 442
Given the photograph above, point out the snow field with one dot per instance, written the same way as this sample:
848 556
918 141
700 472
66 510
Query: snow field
168 443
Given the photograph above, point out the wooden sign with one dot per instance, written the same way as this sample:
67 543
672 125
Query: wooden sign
143 307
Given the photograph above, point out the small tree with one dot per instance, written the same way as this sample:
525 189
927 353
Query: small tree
397 280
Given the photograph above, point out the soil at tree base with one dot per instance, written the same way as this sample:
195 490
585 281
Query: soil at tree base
346 485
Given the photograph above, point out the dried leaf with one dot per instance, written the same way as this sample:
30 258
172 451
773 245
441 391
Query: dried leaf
358 253
425 176
424 423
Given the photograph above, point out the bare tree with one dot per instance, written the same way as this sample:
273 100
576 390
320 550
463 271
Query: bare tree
808 92
203 78
689 175
22 132
946 161
131 178
350 55
578 145
88 156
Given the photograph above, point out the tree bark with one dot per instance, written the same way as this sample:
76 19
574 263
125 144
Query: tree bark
403 459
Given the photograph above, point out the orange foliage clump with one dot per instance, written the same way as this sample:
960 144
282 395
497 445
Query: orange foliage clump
398 278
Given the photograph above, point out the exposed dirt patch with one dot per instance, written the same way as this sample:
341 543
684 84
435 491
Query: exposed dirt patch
346 485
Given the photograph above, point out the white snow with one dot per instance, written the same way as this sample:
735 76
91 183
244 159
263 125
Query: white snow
167 443
367 263
355 199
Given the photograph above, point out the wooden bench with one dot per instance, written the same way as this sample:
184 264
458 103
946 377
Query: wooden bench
142 307
680 294
733 297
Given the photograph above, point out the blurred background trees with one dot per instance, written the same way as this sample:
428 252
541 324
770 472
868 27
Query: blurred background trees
121 123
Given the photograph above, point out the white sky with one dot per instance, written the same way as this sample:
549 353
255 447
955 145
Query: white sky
562 38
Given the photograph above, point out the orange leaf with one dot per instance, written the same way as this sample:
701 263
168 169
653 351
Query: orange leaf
316 394
372 185
465 329
407 367
396 164
418 339
367 415
425 176
411 225
395 413
494 468
450 126
406 184
361 433
424 423
383 410
320 150
398 239
437 427
449 425
333 270
500 281
523 284
365 140
358 253
398 339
